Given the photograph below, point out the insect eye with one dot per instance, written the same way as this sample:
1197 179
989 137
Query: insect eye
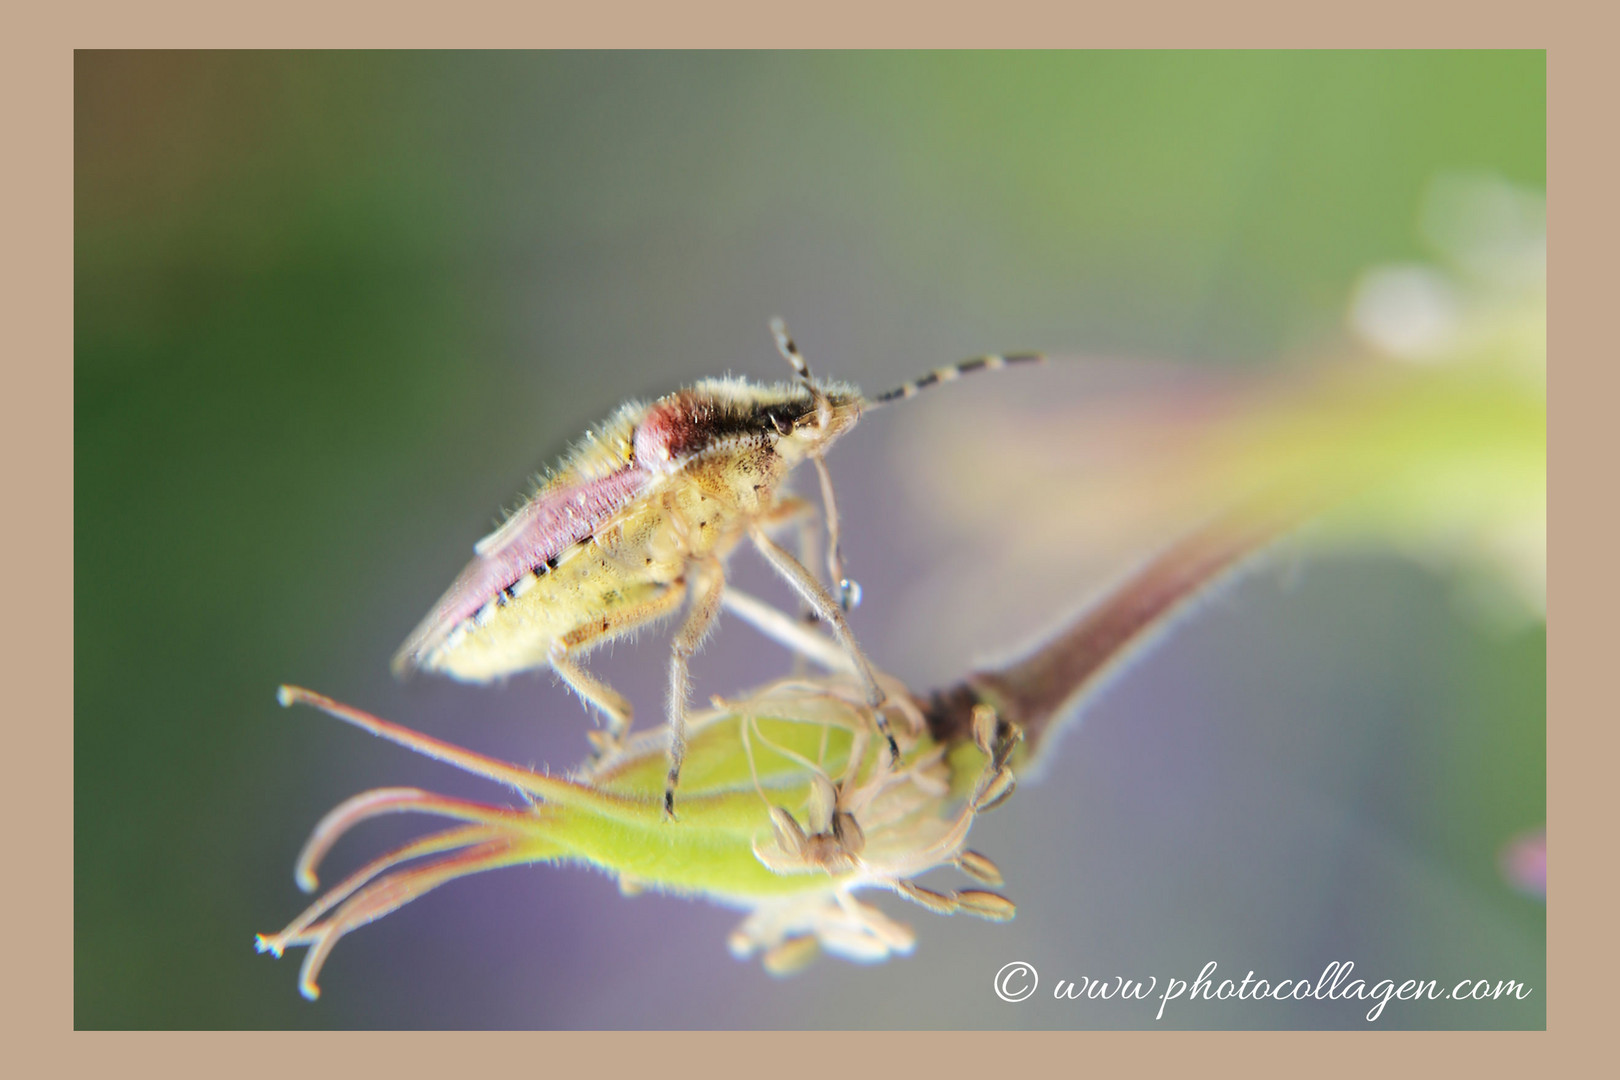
783 425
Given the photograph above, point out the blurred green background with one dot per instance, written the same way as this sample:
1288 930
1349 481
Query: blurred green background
332 310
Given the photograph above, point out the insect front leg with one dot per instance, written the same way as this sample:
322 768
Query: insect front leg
791 510
849 592
705 606
806 585
809 555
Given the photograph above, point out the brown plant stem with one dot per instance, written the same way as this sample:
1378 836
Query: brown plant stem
1044 687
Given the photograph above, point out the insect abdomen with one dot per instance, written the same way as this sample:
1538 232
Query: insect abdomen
531 544
518 630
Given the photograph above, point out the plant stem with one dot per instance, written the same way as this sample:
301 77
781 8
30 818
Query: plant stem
1051 683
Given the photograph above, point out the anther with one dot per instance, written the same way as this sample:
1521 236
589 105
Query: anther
986 905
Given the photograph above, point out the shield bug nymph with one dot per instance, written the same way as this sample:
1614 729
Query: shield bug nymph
642 515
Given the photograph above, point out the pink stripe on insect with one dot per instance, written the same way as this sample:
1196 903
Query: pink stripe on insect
532 538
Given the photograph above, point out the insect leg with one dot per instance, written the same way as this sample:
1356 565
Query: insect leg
699 620
803 641
809 555
849 593
806 585
613 705
788 510
792 510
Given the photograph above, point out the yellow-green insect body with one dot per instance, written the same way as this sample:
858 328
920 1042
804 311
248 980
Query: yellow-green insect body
640 516
654 490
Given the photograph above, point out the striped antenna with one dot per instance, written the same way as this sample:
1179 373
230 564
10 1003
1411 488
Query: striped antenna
993 362
801 367
790 351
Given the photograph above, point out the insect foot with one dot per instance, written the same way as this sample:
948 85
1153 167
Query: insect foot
603 744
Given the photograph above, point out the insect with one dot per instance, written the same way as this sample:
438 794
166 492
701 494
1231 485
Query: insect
641 516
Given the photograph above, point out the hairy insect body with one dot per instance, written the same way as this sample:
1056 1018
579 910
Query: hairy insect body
608 542
641 516
577 605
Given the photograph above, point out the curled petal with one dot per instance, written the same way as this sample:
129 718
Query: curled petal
369 804
387 893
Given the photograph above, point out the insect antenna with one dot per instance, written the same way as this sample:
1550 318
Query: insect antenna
790 352
848 591
801 368
990 362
